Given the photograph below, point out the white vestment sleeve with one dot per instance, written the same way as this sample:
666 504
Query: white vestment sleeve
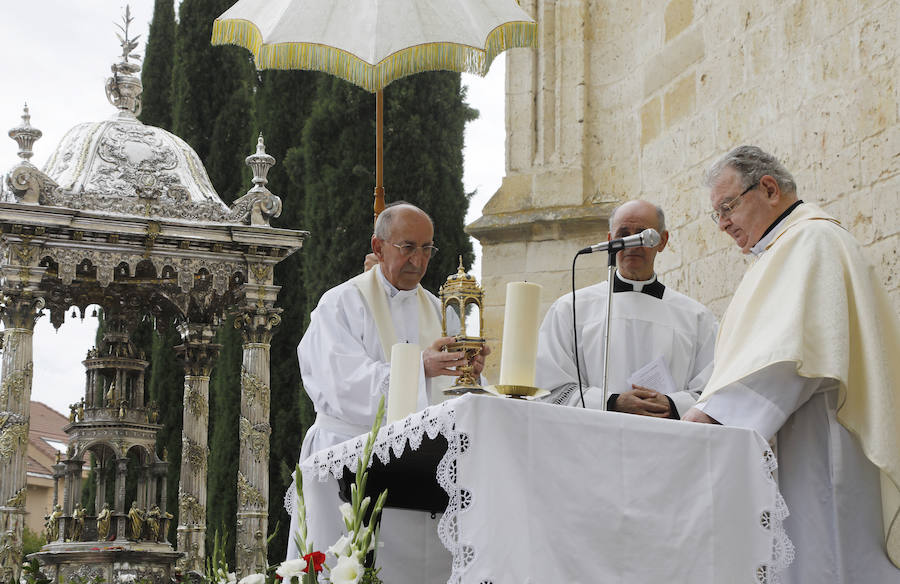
343 375
555 369
704 351
762 401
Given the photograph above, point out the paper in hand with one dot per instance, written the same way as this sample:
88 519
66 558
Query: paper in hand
654 375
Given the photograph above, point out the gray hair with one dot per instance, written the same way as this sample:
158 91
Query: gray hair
386 218
752 163
660 216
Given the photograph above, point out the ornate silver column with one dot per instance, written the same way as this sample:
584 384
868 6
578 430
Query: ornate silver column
256 323
120 513
199 354
22 303
19 314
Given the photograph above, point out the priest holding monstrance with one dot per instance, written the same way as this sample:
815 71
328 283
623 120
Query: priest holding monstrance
808 353
345 364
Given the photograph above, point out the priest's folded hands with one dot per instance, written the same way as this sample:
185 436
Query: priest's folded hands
643 401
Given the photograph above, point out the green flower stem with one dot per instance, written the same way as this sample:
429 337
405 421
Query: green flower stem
304 545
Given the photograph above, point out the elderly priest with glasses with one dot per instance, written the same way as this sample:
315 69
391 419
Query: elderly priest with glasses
808 355
345 364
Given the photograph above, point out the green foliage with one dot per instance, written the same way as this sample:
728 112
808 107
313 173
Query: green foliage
282 102
166 388
233 137
338 141
207 81
32 541
224 443
370 576
156 75
31 573
425 116
216 566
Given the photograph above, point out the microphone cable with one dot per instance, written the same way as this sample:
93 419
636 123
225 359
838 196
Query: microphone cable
575 334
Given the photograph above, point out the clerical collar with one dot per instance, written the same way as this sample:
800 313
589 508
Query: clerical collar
653 287
770 233
392 291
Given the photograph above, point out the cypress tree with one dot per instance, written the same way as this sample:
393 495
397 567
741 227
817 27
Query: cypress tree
156 75
231 139
165 384
335 162
212 111
425 117
204 80
224 452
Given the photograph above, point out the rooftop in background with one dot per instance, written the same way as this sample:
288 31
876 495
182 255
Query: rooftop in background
46 426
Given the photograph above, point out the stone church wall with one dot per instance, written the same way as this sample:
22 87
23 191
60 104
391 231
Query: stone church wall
636 99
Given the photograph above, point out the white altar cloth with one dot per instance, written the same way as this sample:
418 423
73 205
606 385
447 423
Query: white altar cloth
543 494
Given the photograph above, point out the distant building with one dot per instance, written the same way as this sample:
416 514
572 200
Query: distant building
45 439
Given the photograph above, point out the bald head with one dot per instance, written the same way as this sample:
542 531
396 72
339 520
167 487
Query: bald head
386 218
637 203
403 243
633 217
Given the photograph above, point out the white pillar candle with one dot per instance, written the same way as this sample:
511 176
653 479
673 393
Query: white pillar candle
403 390
520 334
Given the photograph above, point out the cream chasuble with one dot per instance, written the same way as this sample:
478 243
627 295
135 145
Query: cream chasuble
813 300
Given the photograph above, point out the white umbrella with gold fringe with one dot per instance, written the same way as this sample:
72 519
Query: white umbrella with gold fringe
371 43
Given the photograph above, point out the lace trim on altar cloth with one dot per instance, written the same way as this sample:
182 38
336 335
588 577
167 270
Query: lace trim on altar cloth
290 496
771 519
434 420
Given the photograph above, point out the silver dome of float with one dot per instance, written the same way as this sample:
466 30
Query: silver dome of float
123 166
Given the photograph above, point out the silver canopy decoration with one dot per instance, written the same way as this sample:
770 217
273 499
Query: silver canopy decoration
124 216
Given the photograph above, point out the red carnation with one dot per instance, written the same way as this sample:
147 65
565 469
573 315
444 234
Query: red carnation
317 559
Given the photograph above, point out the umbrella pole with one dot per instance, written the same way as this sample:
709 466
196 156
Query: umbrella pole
379 152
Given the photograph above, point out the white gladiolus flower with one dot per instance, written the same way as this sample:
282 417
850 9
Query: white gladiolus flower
223 578
253 579
342 546
347 512
290 568
348 570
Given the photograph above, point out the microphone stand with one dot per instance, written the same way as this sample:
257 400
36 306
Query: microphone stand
609 297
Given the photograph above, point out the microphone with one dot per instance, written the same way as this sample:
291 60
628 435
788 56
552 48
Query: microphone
646 238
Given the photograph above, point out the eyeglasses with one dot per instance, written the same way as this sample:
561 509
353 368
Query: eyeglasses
727 208
408 249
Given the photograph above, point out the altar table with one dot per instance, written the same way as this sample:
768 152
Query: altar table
543 494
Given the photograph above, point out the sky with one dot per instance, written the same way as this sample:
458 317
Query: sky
57 56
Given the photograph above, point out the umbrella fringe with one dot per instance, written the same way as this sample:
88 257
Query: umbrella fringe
425 57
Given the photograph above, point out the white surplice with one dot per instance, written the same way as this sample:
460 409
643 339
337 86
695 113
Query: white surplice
676 328
345 372
832 490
